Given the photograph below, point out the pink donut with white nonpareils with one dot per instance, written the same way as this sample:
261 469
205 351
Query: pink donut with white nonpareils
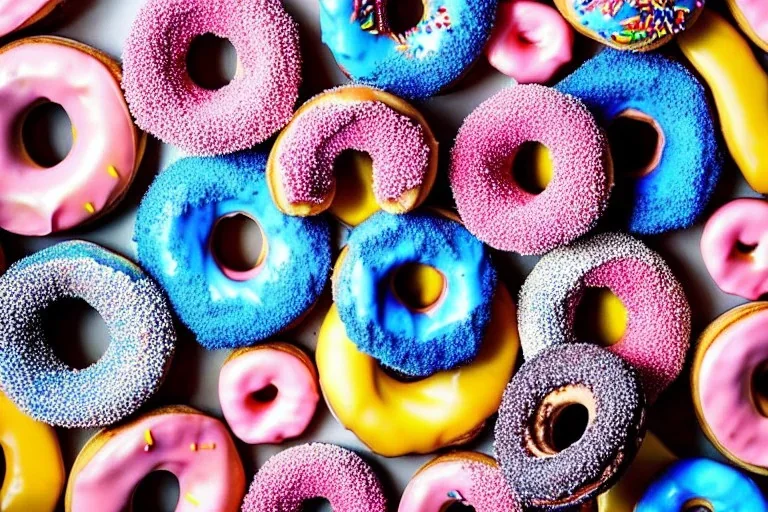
106 150
494 207
469 478
252 370
734 247
311 471
19 14
258 101
530 41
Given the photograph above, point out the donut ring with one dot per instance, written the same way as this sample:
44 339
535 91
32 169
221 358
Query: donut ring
308 471
544 476
168 104
16 15
494 207
132 306
752 18
658 333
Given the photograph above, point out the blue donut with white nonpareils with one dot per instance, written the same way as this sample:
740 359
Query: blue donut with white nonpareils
226 307
133 307
673 190
418 342
417 63
710 485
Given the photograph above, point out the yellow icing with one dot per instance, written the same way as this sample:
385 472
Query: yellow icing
34 472
601 317
354 200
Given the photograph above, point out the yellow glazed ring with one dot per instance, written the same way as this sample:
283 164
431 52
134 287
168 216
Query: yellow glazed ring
395 418
34 470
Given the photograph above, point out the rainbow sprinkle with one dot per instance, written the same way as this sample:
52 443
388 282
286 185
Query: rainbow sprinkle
149 440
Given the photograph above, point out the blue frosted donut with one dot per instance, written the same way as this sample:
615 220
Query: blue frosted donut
135 311
224 309
421 342
674 192
710 485
417 63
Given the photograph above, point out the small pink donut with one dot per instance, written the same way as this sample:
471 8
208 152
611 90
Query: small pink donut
250 370
19 14
494 207
315 470
470 478
168 104
734 247
530 42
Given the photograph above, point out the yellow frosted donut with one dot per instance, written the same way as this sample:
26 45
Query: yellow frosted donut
34 471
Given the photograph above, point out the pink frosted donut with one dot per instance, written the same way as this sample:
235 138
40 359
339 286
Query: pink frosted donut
494 207
315 470
19 14
106 151
530 42
734 247
168 104
250 370
469 478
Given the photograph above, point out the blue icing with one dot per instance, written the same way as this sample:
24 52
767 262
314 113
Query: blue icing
173 227
724 487
434 54
415 343
674 195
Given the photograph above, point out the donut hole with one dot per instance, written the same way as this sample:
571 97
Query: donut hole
47 134
75 332
459 506
600 317
264 395
532 167
238 245
353 172
316 505
569 426
760 388
637 143
159 491
404 15
561 420
211 61
744 248
698 505
3 470
418 287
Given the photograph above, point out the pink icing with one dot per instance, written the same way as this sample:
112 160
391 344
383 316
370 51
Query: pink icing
197 449
15 13
288 415
530 42
739 273
725 384
756 14
493 206
443 482
258 102
397 145
102 161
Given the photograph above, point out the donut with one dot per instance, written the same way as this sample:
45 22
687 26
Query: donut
733 245
470 478
314 470
15 15
635 25
739 85
752 18
447 332
494 207
393 416
195 448
248 371
726 381
658 333
106 150
548 470
672 188
702 485
134 310
301 165
258 102
371 45
34 470
227 307
530 41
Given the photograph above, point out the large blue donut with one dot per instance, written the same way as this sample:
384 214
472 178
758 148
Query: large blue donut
436 53
675 194
173 229
415 343
135 311
723 487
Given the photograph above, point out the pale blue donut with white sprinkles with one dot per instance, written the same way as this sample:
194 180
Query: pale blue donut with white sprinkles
711 485
174 226
415 343
415 64
133 307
